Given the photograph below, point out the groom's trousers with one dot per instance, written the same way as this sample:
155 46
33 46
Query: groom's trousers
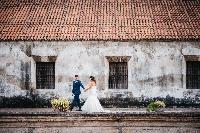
76 102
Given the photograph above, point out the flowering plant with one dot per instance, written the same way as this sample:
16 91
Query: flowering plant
153 106
61 104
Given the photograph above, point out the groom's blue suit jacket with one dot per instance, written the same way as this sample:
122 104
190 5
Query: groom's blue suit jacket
76 87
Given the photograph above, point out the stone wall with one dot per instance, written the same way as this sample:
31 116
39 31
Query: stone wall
155 69
115 122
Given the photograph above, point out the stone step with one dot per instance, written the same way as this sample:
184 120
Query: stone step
107 122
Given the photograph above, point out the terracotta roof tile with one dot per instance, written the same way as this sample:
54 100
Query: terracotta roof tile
99 19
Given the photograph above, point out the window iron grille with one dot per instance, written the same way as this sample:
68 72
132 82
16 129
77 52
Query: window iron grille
118 75
45 75
193 74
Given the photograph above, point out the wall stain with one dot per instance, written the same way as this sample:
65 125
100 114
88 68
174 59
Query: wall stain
162 81
25 75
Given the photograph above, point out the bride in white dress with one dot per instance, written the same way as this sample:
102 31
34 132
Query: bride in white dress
92 103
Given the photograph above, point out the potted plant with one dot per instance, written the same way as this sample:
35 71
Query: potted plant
61 104
156 106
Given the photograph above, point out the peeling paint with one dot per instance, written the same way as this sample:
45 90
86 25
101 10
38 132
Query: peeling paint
156 69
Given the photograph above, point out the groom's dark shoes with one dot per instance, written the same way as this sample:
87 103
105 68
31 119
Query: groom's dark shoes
70 108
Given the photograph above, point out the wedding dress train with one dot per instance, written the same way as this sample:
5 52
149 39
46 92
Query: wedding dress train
92 103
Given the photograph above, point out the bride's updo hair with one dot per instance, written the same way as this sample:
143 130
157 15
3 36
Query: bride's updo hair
92 78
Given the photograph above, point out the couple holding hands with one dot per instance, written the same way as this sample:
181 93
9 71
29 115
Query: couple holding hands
92 103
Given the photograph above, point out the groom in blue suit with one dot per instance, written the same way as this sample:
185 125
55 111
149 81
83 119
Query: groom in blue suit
76 92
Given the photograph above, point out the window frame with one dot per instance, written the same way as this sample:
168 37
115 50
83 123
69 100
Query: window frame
51 76
118 66
190 75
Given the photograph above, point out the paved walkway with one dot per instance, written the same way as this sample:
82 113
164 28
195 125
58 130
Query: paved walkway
35 110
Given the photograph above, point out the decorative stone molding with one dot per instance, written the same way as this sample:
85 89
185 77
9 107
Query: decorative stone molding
192 57
118 58
44 58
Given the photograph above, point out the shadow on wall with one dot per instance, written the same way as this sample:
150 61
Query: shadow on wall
143 102
32 100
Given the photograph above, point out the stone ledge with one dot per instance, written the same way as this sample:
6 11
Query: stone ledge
25 120
119 112
113 115
103 114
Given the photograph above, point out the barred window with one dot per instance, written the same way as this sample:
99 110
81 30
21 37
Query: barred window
118 75
193 74
45 75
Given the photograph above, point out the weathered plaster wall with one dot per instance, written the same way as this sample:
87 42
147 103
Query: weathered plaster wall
155 68
14 70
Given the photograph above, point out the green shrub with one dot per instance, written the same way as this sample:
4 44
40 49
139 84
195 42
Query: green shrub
61 104
155 105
